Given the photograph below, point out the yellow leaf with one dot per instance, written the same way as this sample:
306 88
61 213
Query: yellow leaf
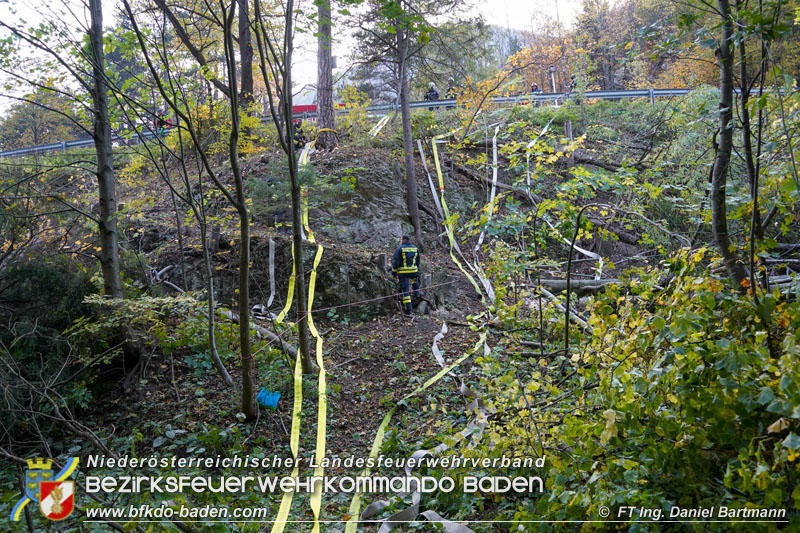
611 426
672 398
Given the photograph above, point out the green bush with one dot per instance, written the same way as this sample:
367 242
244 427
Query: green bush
687 395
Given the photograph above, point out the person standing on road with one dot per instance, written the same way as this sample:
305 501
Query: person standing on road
431 95
534 91
452 91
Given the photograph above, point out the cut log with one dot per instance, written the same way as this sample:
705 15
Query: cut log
579 286
780 261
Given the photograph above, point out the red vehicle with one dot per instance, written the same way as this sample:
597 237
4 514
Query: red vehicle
309 108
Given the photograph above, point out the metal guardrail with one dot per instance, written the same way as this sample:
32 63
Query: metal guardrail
651 94
62 146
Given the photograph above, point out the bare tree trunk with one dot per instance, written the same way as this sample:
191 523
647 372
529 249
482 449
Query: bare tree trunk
245 56
109 246
719 217
408 146
747 132
212 306
326 139
297 236
248 370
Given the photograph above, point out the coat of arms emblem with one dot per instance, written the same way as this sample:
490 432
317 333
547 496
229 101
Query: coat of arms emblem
38 470
55 494
57 499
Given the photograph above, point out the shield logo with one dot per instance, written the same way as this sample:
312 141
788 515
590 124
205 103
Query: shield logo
57 499
33 476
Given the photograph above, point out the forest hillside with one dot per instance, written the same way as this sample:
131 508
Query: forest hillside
537 301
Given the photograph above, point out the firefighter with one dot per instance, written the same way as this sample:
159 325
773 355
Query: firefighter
299 135
405 265
431 95
534 91
161 123
452 91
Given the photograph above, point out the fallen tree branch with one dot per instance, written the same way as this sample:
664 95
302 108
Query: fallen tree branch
685 240
500 185
780 261
579 158
610 166
430 212
284 346
624 236
575 317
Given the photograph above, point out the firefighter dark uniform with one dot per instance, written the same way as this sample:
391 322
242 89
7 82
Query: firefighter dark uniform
431 95
299 135
405 265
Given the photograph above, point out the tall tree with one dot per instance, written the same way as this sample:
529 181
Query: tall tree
719 178
240 204
325 111
592 32
403 35
71 56
275 63
395 32
109 253
235 196
746 82
246 97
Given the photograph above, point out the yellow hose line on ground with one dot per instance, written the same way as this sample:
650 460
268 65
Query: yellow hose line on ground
322 409
294 444
294 439
305 218
289 295
310 146
355 503
448 222
376 129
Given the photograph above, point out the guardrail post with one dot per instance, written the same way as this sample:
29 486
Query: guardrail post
652 97
63 146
